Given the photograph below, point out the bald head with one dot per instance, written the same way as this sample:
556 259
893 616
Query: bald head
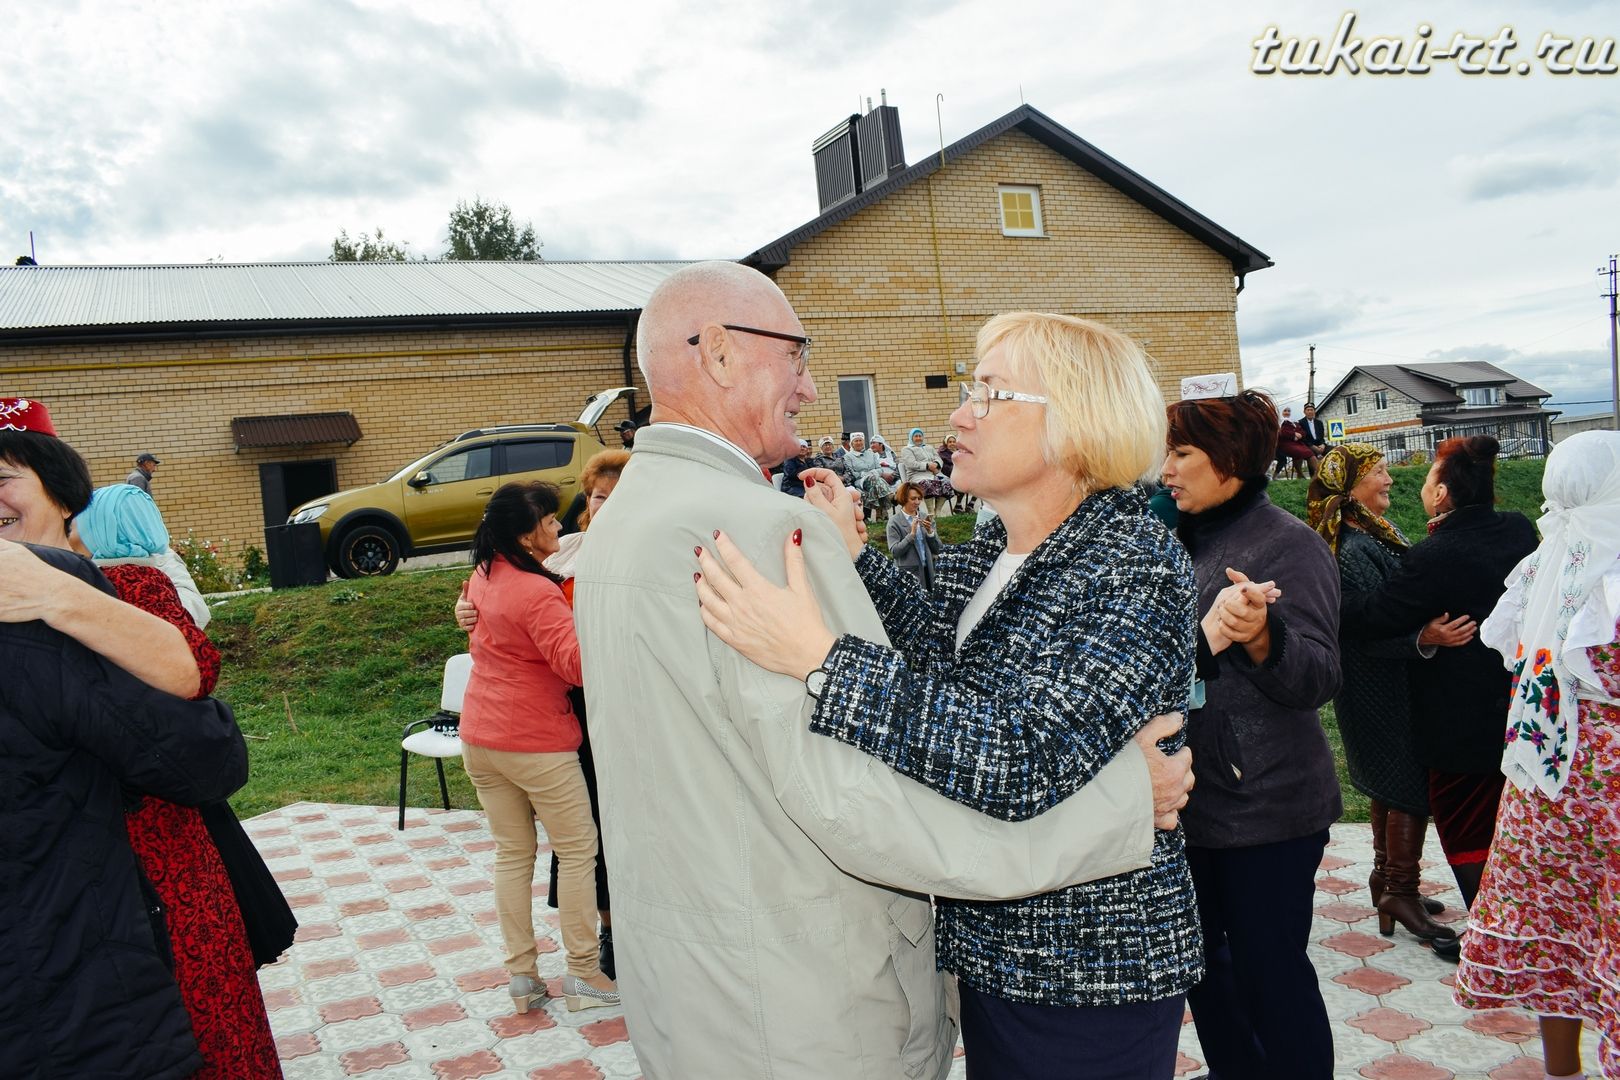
740 385
689 299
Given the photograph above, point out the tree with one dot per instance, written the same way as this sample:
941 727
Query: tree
481 230
367 248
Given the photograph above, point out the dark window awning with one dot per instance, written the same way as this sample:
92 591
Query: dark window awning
294 429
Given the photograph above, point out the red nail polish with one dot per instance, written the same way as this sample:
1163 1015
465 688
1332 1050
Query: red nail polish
717 534
697 576
698 552
798 537
809 481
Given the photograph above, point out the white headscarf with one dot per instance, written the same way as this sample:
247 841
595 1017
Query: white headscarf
1563 598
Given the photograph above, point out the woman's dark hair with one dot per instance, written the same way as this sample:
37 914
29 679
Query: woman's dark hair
513 511
62 472
1238 433
1467 466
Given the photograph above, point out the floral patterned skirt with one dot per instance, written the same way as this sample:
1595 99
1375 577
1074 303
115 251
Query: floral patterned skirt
1545 929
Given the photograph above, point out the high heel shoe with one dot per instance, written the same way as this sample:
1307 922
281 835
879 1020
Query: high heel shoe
527 992
1400 901
582 995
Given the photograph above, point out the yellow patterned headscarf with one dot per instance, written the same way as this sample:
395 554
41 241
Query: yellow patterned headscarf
1328 502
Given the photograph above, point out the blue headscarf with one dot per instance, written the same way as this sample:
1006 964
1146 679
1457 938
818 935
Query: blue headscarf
122 522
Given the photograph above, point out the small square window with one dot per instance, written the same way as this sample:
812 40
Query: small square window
1020 211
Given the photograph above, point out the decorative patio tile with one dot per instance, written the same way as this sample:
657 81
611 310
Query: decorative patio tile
349 1009
433 1016
1462 1050
1405 1067
340 988
453 1039
416 995
1356 943
1509 1025
1391 1025
1371 980
357 1034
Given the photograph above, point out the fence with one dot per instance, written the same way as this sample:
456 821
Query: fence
1415 445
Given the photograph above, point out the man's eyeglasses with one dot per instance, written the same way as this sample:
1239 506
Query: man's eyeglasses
801 355
980 395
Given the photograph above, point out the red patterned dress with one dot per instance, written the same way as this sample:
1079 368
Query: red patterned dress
1545 929
213 963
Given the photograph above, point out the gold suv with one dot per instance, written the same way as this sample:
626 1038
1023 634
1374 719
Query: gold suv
434 503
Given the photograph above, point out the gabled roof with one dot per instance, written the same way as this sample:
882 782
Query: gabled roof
1435 384
36 299
1245 257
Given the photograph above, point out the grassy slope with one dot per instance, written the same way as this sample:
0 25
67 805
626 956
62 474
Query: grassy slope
357 661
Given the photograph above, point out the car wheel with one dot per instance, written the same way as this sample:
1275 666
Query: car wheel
367 551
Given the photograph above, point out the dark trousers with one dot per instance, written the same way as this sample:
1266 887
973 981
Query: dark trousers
1259 1013
1012 1040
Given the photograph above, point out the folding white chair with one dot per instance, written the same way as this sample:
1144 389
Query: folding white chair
440 736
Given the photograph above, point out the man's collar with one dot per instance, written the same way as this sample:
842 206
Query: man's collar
735 455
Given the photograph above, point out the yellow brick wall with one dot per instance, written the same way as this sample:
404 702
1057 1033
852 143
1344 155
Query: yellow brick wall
409 392
868 288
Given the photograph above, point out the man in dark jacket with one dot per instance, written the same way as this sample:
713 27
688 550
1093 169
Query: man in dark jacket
85 985
1460 696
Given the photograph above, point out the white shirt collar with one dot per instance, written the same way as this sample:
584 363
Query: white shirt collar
718 440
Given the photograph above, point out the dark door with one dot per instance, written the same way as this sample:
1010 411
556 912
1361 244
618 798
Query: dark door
286 484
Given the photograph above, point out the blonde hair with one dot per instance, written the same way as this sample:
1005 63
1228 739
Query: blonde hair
1105 422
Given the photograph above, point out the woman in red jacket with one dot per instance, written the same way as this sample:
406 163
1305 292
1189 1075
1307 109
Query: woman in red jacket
520 741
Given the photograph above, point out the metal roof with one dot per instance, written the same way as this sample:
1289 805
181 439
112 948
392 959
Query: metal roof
295 429
1245 257
58 297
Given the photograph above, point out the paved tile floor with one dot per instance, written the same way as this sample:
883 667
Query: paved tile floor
396 971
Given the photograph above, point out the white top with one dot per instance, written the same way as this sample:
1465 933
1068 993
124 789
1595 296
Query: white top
1001 572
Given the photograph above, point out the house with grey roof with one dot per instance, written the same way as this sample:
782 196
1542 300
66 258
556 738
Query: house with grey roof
1411 407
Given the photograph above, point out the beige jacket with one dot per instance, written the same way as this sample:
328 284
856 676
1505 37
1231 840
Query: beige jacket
770 886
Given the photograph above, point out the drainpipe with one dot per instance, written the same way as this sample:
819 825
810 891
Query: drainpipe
629 342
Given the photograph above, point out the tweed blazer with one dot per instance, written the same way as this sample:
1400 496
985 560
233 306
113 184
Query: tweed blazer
769 885
1093 636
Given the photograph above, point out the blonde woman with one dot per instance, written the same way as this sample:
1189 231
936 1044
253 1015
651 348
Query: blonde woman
1048 640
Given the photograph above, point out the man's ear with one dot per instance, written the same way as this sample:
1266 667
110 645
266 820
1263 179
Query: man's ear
714 345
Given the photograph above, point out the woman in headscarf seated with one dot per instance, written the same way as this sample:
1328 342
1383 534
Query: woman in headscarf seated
921 465
1542 932
866 475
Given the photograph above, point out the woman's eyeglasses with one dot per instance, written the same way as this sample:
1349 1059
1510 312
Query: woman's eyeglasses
979 395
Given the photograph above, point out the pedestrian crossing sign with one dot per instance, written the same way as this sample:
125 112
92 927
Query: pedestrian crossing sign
1335 431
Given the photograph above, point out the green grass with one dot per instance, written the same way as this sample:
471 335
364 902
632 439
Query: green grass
353 662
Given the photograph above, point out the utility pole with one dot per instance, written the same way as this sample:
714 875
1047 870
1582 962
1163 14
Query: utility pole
1607 288
1310 387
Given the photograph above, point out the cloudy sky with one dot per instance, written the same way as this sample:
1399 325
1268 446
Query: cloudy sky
1443 216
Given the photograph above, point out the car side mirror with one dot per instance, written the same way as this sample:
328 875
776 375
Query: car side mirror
420 480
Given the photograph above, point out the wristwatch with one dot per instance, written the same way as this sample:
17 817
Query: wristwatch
815 682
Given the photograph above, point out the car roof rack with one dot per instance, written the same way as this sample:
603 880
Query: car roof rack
507 429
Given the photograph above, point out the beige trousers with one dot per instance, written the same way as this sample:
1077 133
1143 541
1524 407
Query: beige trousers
516 788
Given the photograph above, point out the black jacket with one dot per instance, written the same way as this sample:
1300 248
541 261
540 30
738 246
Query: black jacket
1459 698
1264 768
85 986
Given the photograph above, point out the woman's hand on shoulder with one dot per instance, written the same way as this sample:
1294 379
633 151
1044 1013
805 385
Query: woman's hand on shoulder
780 629
30 588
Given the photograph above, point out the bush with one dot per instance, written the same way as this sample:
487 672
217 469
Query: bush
216 568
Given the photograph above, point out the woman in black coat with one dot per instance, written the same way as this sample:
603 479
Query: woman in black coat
1349 497
1257 822
88 989
1459 698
